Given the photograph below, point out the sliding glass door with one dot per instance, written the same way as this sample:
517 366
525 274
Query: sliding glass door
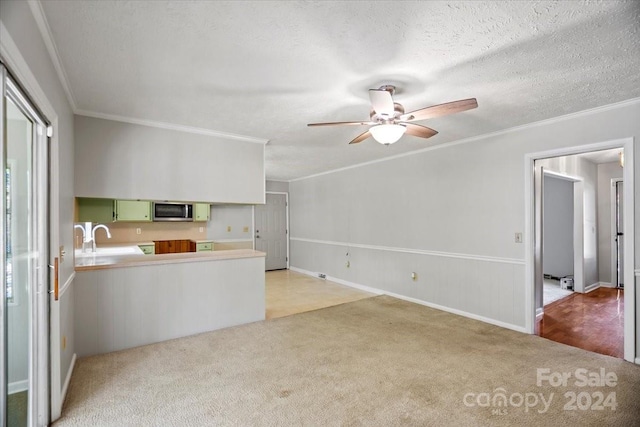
23 336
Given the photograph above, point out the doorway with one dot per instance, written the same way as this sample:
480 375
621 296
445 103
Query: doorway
562 243
533 249
24 264
271 225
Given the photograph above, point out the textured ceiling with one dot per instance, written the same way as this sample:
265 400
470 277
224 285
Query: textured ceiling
266 69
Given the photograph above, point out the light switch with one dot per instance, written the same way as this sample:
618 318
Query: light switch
518 238
228 228
201 229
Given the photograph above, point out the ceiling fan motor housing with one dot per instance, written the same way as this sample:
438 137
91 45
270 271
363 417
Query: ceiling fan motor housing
398 110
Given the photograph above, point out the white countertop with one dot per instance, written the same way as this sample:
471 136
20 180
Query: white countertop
98 262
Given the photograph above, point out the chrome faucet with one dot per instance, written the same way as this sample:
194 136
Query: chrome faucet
93 234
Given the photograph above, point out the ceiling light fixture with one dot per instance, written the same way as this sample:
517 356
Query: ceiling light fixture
387 134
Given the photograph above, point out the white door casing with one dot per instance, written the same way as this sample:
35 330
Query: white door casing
530 229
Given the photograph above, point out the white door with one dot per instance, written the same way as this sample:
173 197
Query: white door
24 239
271 235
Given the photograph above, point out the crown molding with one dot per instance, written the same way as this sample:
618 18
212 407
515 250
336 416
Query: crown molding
552 120
47 37
172 126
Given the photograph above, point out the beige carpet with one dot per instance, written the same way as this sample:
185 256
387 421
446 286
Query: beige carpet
375 362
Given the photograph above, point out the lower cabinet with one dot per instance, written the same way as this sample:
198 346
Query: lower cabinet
174 246
204 246
148 249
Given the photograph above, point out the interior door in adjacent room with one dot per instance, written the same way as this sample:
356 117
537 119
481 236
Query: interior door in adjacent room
271 234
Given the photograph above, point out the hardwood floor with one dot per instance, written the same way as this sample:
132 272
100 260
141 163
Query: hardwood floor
592 321
288 292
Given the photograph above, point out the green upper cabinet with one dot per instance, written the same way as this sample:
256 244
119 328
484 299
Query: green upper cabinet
95 210
201 212
132 210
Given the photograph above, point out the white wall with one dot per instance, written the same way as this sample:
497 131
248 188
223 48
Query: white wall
120 160
557 239
278 186
606 172
25 53
448 213
234 216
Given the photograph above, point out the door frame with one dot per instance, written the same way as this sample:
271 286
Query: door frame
614 231
286 209
38 297
578 228
529 191
52 397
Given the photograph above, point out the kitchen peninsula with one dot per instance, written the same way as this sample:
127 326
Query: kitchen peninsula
124 301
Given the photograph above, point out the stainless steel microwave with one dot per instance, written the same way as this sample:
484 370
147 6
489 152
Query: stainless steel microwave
168 211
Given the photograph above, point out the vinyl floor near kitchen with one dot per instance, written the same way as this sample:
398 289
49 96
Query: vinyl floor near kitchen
288 292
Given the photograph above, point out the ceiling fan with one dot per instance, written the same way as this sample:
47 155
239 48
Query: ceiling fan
389 122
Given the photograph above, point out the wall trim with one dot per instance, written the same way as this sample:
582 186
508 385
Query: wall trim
170 126
415 301
17 386
539 312
413 251
606 285
591 287
52 48
637 361
66 284
552 120
67 379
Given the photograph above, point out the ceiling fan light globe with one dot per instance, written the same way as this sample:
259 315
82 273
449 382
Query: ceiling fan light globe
387 134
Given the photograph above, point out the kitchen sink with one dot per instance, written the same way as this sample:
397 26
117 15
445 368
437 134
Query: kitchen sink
110 251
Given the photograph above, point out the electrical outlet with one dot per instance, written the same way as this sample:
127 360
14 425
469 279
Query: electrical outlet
138 230
414 276
518 238
245 229
201 229
348 264
228 228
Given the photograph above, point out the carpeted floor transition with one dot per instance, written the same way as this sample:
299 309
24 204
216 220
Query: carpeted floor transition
378 361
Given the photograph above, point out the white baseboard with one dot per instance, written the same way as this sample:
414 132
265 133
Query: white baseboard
17 386
637 361
415 301
607 285
592 287
67 380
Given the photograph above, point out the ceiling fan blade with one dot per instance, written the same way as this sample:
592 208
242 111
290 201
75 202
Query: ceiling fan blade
440 110
419 130
341 123
381 101
360 137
